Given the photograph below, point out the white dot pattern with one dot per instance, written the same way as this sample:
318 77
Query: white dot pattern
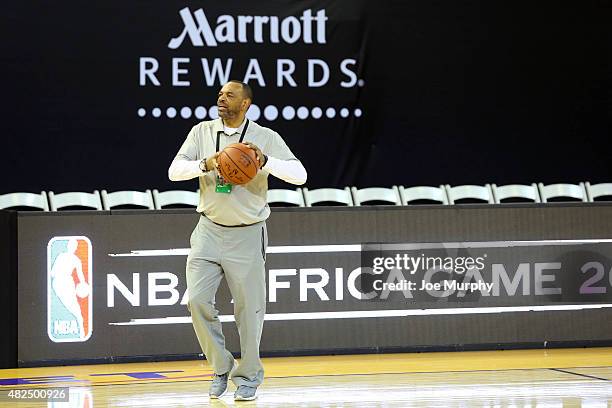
288 112
253 113
200 112
213 112
270 112
302 112
185 112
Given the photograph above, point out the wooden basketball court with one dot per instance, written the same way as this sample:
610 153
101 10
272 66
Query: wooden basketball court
519 378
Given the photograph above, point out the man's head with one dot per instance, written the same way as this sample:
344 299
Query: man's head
234 99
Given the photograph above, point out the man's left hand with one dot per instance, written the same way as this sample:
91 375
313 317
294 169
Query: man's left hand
260 156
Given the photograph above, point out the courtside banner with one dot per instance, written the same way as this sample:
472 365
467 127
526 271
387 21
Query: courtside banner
355 281
547 274
100 286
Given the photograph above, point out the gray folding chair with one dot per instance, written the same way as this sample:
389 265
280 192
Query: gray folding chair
598 190
12 200
469 191
429 193
75 199
175 197
284 196
136 198
528 192
389 195
335 195
562 190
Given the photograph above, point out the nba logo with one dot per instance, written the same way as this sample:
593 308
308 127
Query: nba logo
69 294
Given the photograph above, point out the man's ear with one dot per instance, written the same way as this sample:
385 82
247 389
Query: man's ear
245 104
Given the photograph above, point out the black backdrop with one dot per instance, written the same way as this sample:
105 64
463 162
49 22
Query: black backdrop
454 91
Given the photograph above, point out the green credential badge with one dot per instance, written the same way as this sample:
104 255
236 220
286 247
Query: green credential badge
222 187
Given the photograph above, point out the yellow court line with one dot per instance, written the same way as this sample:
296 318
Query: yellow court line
276 367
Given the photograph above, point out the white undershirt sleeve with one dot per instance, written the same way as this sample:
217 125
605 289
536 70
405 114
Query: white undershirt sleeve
184 170
291 171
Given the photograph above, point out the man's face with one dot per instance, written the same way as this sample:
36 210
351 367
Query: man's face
231 101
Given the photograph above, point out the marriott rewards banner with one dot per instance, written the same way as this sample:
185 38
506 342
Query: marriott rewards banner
366 93
132 78
101 286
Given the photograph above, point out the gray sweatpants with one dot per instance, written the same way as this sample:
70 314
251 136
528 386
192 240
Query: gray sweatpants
239 254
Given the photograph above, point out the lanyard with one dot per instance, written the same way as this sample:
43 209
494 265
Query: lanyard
246 125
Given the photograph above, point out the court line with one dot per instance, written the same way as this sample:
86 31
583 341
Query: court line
579 374
431 372
160 381
156 372
359 374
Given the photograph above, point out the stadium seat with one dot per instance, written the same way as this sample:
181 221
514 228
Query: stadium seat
75 199
516 191
127 198
598 190
175 197
31 200
382 194
284 196
469 192
562 190
423 193
328 195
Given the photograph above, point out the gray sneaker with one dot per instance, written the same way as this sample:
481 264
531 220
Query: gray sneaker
245 393
218 386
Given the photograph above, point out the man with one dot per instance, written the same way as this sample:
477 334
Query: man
230 238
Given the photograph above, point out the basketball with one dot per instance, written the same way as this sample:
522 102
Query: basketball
238 163
82 290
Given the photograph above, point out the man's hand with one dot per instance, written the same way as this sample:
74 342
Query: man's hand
211 162
260 156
